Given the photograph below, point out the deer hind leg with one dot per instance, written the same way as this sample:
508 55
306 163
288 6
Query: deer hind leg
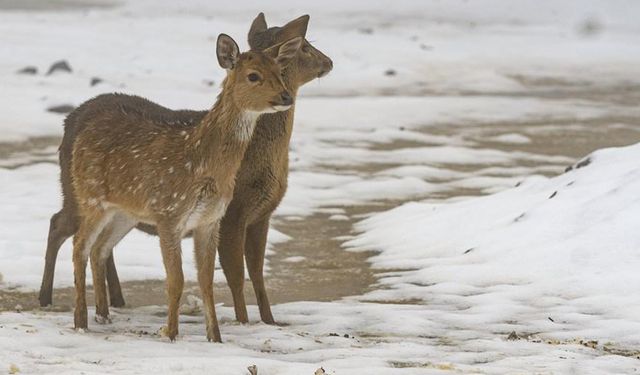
254 253
91 224
205 240
113 281
231 249
112 233
63 224
172 257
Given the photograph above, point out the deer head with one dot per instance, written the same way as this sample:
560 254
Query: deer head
309 63
254 78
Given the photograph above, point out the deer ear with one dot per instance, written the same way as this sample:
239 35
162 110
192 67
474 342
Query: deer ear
258 25
287 51
295 28
227 51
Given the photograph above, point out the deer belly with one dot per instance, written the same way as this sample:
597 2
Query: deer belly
205 212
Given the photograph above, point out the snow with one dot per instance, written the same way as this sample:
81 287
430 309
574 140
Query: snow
456 275
555 256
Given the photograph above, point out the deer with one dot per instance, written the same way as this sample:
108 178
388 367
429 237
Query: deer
260 183
128 169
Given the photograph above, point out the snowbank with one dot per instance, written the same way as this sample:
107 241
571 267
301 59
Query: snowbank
557 255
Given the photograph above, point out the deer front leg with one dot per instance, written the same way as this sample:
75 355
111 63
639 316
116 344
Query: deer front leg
231 249
254 254
205 240
172 258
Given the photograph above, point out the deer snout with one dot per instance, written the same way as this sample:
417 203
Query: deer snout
285 98
327 66
281 102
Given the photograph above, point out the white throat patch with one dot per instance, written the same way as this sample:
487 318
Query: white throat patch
246 123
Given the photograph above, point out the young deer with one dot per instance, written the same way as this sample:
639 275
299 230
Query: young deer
127 169
260 184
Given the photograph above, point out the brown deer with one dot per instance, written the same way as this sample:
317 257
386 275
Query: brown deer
127 169
260 184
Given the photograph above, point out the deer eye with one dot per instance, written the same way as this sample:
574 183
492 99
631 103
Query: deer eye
253 77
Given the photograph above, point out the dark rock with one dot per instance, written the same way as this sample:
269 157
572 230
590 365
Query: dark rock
30 70
59 66
583 163
513 336
390 72
95 81
590 27
64 108
468 250
580 164
553 195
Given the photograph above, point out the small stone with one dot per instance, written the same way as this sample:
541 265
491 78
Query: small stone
513 336
13 369
59 66
253 369
30 70
390 72
346 335
319 371
590 27
95 81
18 308
64 108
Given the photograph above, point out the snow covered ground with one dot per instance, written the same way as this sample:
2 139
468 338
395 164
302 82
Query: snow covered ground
429 103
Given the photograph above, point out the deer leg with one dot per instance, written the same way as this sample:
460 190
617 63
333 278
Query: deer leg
231 249
172 257
254 254
62 226
91 225
113 233
205 240
115 291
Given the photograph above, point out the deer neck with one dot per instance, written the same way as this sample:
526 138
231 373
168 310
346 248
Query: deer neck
221 138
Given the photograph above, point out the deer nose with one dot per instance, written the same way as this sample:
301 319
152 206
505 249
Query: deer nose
329 65
286 98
